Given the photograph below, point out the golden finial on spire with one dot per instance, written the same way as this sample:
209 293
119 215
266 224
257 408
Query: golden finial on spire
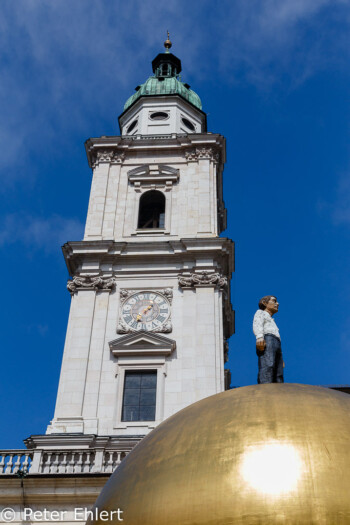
167 44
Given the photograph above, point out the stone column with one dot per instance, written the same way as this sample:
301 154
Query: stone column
95 363
75 359
94 221
111 201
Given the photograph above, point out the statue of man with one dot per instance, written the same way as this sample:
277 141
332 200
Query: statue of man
268 342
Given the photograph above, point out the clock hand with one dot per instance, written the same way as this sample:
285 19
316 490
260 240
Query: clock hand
139 316
145 310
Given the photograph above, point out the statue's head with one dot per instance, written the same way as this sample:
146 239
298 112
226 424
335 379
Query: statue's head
268 300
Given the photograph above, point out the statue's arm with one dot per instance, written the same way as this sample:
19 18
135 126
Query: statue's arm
258 329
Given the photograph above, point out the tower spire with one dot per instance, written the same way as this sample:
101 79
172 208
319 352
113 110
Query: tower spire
167 44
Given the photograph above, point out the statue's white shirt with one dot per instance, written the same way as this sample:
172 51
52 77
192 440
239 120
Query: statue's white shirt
263 323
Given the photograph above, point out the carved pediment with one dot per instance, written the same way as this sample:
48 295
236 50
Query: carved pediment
142 343
153 173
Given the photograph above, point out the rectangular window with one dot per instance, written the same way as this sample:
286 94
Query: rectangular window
139 398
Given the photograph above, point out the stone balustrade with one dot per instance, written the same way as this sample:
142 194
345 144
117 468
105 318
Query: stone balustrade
11 461
73 461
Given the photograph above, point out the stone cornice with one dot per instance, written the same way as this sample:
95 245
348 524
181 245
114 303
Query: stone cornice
219 249
79 441
88 282
76 490
193 146
186 244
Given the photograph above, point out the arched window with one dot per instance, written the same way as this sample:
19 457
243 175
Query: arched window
152 210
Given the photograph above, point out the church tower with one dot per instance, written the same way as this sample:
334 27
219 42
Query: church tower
150 308
150 282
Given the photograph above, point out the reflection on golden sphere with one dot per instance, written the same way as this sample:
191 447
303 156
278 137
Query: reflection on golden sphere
260 454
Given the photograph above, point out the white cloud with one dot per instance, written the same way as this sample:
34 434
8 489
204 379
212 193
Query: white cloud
341 207
337 206
278 39
65 62
41 329
37 233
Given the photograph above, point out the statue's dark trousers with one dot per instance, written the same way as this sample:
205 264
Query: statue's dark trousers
270 361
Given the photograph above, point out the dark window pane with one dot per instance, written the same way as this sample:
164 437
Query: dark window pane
188 124
148 397
159 115
152 210
132 126
147 413
139 399
132 396
132 380
149 380
131 413
161 220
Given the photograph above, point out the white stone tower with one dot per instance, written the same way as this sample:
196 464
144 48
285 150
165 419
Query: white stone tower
150 311
150 285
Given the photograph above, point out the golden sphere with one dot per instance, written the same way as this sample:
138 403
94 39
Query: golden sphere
167 43
262 454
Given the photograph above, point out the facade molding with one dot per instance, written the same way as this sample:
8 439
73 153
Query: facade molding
104 149
107 155
153 174
194 155
107 253
88 282
143 343
203 278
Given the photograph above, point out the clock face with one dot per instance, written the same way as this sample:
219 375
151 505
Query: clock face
145 311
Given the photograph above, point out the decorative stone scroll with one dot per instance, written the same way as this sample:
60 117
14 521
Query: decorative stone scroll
202 153
88 282
118 158
107 156
204 278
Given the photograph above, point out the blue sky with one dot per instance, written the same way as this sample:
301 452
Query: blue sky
274 78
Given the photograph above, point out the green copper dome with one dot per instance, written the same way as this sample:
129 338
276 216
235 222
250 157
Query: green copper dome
165 81
167 86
